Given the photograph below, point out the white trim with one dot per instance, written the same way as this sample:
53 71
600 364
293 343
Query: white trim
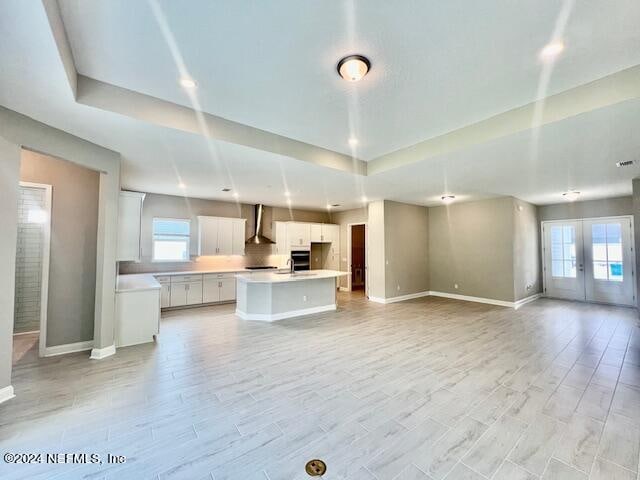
524 301
344 289
273 317
46 252
400 298
68 348
6 393
100 353
467 298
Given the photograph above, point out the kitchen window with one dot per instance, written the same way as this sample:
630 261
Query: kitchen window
171 240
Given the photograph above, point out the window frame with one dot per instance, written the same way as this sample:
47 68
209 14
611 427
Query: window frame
153 239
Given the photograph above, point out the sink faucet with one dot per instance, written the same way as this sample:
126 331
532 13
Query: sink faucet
290 261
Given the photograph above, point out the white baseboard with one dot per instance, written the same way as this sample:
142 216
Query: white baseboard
266 317
344 289
400 298
68 348
526 300
467 298
6 393
100 353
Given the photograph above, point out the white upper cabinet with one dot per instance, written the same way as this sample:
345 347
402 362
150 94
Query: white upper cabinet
299 234
221 236
238 237
282 245
129 226
316 232
330 233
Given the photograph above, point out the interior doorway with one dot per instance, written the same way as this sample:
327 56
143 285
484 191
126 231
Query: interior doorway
590 260
32 270
357 257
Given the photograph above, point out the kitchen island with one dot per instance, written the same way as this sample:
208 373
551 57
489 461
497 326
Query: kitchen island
275 296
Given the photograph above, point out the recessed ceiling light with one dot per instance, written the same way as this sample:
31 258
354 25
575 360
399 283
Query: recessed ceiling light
181 185
287 193
448 198
236 194
571 196
353 141
364 199
551 50
354 67
186 82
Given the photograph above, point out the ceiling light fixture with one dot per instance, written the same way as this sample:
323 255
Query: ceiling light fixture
551 50
364 199
446 199
287 193
236 194
181 185
353 141
353 67
572 196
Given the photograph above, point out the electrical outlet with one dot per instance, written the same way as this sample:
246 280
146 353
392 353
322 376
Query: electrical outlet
529 286
455 285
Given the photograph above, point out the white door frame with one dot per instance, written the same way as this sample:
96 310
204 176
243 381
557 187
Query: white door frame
46 251
612 217
366 255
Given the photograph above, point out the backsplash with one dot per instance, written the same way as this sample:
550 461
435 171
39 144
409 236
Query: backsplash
255 255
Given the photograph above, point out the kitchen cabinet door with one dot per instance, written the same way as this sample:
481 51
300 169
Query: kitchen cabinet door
227 289
225 236
129 225
178 294
194 293
282 245
330 233
299 234
210 290
316 232
207 236
165 295
238 236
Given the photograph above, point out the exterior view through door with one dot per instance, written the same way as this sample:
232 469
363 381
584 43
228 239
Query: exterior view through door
590 260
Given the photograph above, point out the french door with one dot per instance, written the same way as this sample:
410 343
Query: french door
590 260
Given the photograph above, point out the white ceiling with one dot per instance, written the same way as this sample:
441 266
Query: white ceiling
274 69
437 65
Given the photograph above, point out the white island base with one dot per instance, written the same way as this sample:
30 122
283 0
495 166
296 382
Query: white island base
269 297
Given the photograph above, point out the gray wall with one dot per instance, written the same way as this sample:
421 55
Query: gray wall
74 227
607 207
406 249
471 244
526 250
636 227
9 179
344 218
170 206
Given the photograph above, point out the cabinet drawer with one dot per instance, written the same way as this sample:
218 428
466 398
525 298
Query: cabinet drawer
186 278
216 276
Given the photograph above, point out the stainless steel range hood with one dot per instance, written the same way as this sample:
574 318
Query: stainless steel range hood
258 238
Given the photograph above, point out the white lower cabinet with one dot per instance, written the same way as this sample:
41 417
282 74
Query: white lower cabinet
219 288
194 293
178 295
165 290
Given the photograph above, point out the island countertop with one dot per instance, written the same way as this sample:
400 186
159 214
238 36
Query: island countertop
271 277
136 283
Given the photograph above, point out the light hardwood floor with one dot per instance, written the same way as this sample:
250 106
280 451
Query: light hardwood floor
424 389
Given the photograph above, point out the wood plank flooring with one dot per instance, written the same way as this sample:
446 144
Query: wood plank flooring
427 389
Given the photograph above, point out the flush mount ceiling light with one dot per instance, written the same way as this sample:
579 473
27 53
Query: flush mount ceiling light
551 50
353 141
354 67
448 198
189 83
571 196
181 185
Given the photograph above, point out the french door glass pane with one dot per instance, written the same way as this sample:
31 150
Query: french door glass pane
556 268
569 268
615 272
606 240
600 270
563 251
